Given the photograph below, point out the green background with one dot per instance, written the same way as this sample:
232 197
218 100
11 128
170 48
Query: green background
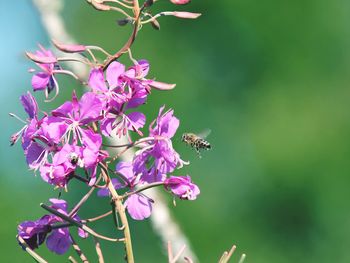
269 78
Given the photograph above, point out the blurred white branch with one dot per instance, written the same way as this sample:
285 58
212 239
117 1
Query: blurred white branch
162 221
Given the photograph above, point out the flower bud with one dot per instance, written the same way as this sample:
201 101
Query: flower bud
187 15
180 2
41 59
155 24
69 48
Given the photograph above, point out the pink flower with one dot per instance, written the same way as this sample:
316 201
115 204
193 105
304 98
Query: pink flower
182 187
160 150
44 80
75 115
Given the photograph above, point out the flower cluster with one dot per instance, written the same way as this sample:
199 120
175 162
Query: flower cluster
68 140
67 143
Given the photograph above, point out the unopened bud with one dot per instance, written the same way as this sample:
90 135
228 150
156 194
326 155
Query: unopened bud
69 48
41 59
155 24
180 2
187 15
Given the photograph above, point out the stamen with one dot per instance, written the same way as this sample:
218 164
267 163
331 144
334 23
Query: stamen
18 118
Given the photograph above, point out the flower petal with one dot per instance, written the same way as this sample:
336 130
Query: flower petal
40 81
29 104
135 121
35 154
97 80
113 72
59 241
138 206
90 107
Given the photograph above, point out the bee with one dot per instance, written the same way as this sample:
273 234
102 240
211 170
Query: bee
74 159
197 142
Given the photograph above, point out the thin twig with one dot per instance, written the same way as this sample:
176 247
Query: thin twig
121 211
78 251
242 258
79 224
170 252
178 255
34 255
83 200
71 259
131 39
97 217
143 188
98 250
230 253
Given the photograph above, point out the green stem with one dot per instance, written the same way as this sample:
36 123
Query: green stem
116 198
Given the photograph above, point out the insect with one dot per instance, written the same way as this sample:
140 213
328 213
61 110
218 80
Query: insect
73 158
197 142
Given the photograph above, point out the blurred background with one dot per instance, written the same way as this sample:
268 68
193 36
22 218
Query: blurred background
269 78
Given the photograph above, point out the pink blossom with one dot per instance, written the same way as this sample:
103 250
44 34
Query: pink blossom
182 187
160 149
47 62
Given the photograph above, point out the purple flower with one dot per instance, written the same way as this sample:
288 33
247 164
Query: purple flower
45 80
124 87
58 240
121 123
160 149
34 232
117 96
74 116
182 187
110 90
31 108
67 159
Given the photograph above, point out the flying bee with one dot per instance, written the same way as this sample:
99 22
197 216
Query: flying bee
197 142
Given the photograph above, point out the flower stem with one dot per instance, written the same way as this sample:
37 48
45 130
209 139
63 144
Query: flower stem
142 189
78 251
34 255
78 224
98 250
116 198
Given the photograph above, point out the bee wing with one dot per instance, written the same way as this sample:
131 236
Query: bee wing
204 134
